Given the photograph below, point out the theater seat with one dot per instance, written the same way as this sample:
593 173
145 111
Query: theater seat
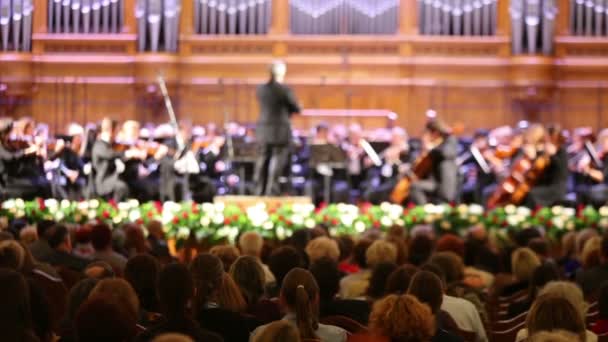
345 323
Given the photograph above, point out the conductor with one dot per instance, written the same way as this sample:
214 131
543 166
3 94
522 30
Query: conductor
277 104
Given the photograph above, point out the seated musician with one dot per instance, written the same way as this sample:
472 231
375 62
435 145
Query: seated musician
595 191
442 183
70 180
395 162
551 187
107 163
20 170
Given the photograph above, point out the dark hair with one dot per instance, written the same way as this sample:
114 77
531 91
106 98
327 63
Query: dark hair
141 272
604 245
40 308
42 227
327 275
426 286
399 281
451 243
101 236
346 245
9 256
282 260
15 314
539 246
523 237
421 248
378 279
300 291
102 318
360 252
207 272
106 270
57 235
175 290
78 294
435 270
541 276
451 265
602 300
248 275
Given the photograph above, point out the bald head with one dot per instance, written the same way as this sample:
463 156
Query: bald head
278 69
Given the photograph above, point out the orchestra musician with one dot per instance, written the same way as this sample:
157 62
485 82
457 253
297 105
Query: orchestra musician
69 180
277 104
108 164
595 189
442 183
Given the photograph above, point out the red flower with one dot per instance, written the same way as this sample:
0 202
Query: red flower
175 220
289 223
105 214
159 206
227 221
452 204
405 212
376 224
185 215
112 202
334 222
195 209
411 205
504 223
139 221
41 203
549 224
325 218
150 214
281 218
235 217
414 219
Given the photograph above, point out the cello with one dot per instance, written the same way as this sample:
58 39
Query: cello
527 170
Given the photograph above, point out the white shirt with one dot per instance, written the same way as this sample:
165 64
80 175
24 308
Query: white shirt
465 315
327 333
523 334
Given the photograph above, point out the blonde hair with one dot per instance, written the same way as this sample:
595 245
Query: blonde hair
569 291
555 336
402 318
13 247
227 254
380 251
251 243
120 290
229 296
590 255
523 263
172 337
322 247
278 331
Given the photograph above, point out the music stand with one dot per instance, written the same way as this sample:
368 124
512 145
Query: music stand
245 152
328 157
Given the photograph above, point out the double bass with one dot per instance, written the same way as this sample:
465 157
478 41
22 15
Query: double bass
524 174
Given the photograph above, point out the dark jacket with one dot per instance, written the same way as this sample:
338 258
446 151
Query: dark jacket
277 104
186 326
232 326
103 160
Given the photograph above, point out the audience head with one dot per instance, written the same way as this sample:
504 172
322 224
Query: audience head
28 235
604 248
582 237
569 291
322 247
327 275
402 318
591 253
555 336
103 318
451 243
15 312
99 270
421 248
379 279
101 237
227 254
175 290
135 241
451 265
523 263
59 238
229 296
251 243
347 246
42 227
172 337
278 331
12 255
207 272
399 281
360 252
78 294
542 275
380 251
282 260
141 272
300 295
121 291
540 246
551 312
427 287
248 275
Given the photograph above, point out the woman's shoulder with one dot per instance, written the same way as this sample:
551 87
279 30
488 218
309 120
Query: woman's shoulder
331 333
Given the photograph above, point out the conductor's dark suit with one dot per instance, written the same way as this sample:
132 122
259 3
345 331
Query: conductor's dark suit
277 104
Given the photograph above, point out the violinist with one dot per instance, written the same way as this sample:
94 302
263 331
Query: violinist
552 186
595 191
442 183
70 180
355 167
396 161
108 164
16 157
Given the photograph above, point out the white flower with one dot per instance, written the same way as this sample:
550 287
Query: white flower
603 223
83 206
218 219
19 203
395 211
524 211
183 233
9 204
280 233
462 209
359 226
475 209
167 217
333 231
347 220
558 222
50 203
220 206
59 216
94 203
268 225
205 221
297 219
569 212
445 225
570 225
117 219
208 207
557 210
310 223
123 206
234 232
92 214
512 220
134 215
65 204
510 209
400 222
386 221
604 211
20 213
133 203
385 206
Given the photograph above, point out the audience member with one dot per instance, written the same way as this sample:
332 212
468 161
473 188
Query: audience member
15 313
328 276
99 270
601 325
248 275
40 248
157 242
121 291
347 264
379 279
590 279
135 241
175 291
141 272
82 242
322 247
542 275
355 285
171 337
251 244
279 331
77 295
402 318
420 249
399 281
523 263
227 254
229 295
59 240
12 255
281 261
101 238
102 318
300 295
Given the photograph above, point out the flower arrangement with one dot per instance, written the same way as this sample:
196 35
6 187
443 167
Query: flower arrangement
225 221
